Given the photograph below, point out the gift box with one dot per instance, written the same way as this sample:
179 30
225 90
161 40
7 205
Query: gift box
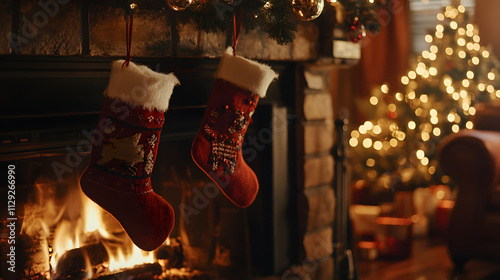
394 237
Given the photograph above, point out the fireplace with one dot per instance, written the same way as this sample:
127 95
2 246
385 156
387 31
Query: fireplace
60 234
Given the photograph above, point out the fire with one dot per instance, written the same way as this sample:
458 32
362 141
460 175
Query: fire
75 222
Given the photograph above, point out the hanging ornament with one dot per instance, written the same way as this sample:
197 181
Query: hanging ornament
307 10
356 31
178 5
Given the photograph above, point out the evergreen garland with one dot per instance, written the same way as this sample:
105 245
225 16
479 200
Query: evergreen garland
275 17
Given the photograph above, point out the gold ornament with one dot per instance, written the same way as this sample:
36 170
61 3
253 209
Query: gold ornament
307 10
178 5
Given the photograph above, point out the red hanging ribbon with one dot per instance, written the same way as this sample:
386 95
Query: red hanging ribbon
237 22
128 37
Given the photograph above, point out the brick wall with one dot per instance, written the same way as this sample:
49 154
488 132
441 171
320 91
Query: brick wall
82 27
315 165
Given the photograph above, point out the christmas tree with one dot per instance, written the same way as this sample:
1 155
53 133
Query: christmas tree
396 146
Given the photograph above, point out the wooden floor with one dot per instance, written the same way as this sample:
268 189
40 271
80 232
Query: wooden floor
429 261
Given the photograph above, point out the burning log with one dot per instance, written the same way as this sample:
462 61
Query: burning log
77 262
139 272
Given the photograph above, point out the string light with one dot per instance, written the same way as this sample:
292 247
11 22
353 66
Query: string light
384 88
453 25
465 83
440 16
469 125
373 100
355 134
412 125
486 54
405 80
377 129
449 51
377 145
367 143
412 75
455 128
491 76
461 31
353 142
424 98
470 74
436 131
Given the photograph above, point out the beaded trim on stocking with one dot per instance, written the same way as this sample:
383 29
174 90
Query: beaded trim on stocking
227 144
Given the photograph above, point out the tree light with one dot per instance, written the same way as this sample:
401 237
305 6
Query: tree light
428 38
465 83
436 131
440 16
412 75
424 98
377 129
461 42
420 154
370 162
424 161
433 71
412 125
455 128
486 54
368 125
367 143
393 142
453 25
353 142
470 74
405 80
451 117
377 145
491 76
469 125
449 51
440 28
461 54
384 88
373 100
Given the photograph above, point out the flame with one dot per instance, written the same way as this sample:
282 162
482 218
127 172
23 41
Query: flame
76 221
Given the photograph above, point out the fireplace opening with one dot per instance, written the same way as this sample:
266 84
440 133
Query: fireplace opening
61 234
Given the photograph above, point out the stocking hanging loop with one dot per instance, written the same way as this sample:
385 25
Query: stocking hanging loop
129 22
237 22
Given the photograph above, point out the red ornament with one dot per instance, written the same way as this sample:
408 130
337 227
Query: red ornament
356 31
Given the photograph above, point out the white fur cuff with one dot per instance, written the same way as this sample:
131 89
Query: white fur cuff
140 85
245 73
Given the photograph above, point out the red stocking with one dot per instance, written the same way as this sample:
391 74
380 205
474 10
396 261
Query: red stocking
124 150
217 147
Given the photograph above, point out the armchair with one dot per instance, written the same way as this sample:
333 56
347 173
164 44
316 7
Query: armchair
472 159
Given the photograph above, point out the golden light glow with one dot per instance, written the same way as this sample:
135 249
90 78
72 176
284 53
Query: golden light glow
476 38
418 112
461 31
451 117
481 87
411 95
384 88
368 125
450 89
353 142
399 96
463 94
440 28
433 113
455 96
432 170
455 128
491 76
432 56
405 80
475 60
392 107
355 134
469 33
367 143
486 54
461 42
425 54
470 74
412 75
465 83
439 35
412 125
469 125
428 38
447 82
490 88
393 142
462 54
477 47
424 98
377 145
373 100
362 129
377 129
440 16
436 131
370 162
434 49
449 51
420 154
472 111
498 94
425 136
461 9
434 120
433 71
424 161
470 46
